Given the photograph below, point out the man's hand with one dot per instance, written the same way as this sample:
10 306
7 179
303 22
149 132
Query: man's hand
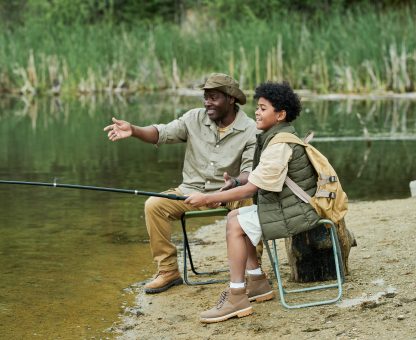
229 182
119 130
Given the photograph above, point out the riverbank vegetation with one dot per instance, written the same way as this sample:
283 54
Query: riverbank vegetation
79 46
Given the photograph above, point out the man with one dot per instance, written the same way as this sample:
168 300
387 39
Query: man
220 147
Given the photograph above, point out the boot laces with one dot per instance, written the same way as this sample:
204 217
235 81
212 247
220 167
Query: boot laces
160 273
223 298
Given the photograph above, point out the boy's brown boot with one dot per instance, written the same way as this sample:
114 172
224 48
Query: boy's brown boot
232 302
258 288
163 281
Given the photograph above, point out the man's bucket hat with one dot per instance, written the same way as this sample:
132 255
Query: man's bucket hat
225 84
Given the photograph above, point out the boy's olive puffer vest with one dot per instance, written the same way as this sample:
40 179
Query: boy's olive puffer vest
283 214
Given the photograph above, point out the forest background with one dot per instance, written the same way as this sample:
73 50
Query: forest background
88 46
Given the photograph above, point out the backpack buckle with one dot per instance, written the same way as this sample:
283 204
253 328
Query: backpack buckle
332 179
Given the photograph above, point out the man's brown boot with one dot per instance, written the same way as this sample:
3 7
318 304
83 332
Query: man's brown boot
232 302
258 288
163 281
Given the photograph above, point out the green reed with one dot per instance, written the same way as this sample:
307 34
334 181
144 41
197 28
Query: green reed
343 52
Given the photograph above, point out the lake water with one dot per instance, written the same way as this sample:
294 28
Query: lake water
67 256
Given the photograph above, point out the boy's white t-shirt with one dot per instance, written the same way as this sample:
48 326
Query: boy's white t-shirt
271 171
269 175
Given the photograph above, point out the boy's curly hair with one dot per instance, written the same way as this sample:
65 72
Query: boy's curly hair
282 97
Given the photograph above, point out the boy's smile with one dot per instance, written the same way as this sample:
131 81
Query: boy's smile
266 116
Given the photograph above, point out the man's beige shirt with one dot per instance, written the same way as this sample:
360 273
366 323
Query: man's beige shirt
207 155
271 171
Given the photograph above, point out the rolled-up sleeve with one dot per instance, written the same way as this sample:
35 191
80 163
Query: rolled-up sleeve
248 155
174 132
271 172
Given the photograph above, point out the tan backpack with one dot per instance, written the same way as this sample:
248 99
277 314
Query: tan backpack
329 201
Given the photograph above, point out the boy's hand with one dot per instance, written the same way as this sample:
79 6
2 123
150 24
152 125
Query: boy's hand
199 200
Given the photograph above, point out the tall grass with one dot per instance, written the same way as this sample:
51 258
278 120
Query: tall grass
349 52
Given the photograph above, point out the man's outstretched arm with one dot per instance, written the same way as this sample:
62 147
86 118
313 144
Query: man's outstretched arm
121 129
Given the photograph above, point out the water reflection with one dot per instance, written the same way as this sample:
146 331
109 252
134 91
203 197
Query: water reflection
66 140
378 118
390 118
66 255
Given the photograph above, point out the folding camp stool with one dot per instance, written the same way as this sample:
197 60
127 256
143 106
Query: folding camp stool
338 267
187 255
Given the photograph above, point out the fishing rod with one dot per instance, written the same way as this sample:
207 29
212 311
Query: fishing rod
89 187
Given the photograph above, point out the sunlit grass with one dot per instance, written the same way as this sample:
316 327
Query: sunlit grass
353 52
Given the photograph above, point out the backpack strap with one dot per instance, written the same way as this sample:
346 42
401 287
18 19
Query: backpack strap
308 137
303 195
324 179
325 193
285 137
297 190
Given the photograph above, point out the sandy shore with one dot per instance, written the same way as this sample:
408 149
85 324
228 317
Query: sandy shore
379 299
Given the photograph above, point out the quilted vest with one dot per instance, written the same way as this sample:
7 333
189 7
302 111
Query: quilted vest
283 214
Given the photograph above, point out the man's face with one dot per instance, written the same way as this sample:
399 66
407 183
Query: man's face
217 104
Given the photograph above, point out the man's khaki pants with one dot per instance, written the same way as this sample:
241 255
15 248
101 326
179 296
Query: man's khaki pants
159 214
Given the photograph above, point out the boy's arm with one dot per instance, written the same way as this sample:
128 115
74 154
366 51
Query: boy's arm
235 194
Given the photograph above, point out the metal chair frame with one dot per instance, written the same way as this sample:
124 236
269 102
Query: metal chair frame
338 267
187 255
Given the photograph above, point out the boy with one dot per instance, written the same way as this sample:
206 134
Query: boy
277 106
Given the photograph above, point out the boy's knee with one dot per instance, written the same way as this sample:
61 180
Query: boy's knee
232 214
233 227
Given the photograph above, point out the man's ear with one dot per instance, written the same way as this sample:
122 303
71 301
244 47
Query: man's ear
231 99
281 116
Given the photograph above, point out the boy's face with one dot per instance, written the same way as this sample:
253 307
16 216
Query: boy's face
266 116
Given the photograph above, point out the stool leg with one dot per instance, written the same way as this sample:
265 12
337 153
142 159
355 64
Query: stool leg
337 247
338 267
186 248
275 264
338 261
188 255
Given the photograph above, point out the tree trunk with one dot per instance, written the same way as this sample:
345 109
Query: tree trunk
311 257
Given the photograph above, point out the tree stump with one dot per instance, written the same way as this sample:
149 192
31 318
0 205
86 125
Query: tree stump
311 257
